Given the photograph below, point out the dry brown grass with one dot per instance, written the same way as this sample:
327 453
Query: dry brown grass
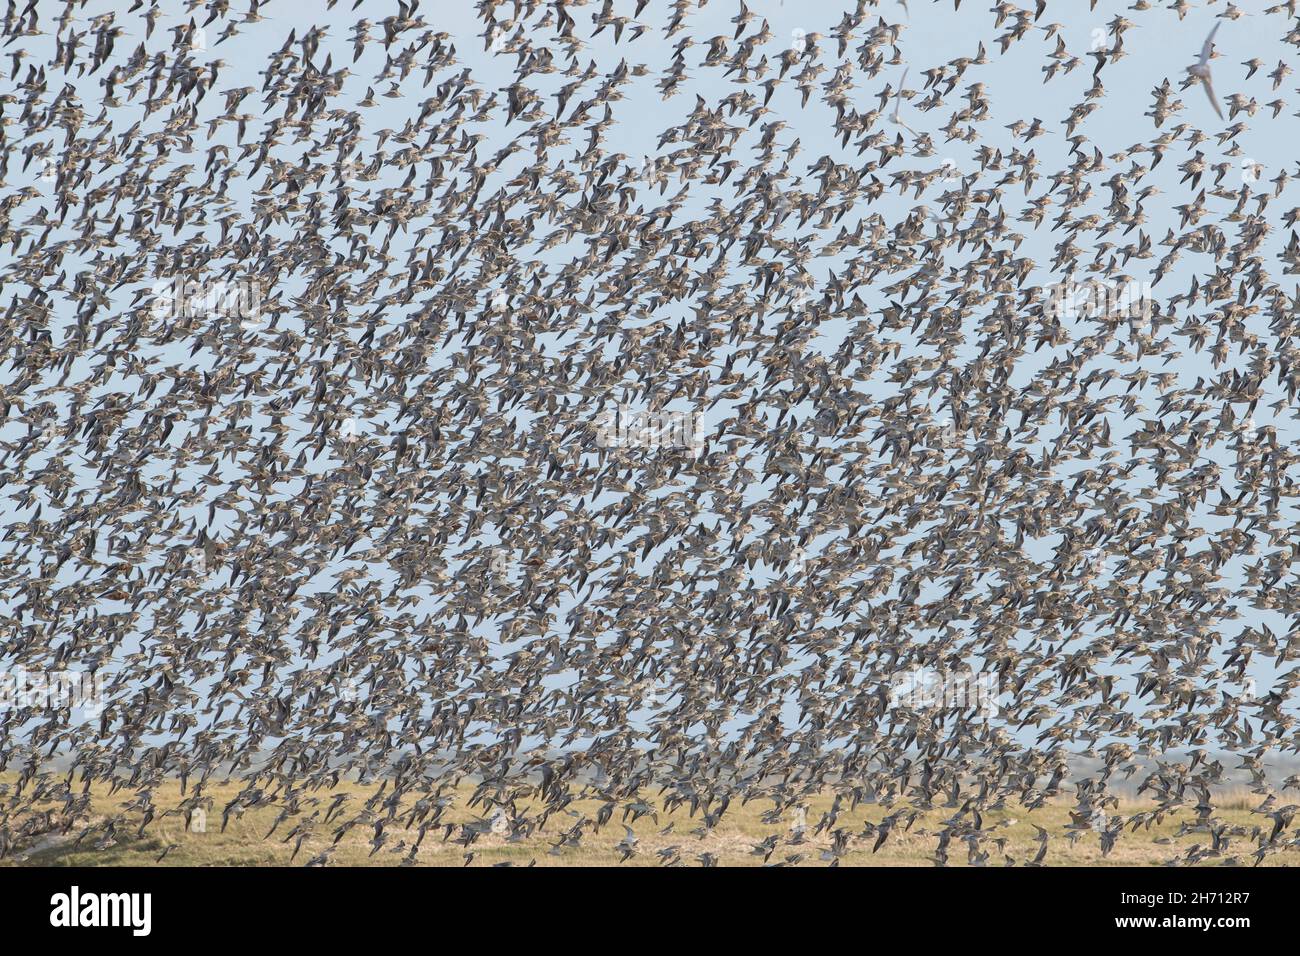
732 842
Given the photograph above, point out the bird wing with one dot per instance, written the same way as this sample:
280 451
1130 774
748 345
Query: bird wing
1214 100
1208 45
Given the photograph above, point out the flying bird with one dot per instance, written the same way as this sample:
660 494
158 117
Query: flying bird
1201 70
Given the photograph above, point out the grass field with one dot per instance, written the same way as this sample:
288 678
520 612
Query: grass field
731 842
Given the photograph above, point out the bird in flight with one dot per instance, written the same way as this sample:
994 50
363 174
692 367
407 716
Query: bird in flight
451 423
896 117
1201 70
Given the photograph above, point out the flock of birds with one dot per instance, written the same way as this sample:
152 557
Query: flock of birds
361 527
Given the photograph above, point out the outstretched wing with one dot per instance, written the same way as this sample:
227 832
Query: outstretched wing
1209 91
1209 44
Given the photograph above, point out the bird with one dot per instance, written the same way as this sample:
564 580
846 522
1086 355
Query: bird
895 116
